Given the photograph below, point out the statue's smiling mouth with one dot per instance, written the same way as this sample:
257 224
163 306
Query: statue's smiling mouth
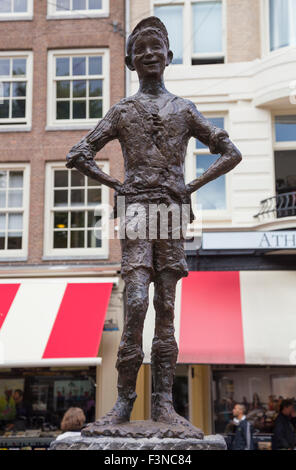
152 62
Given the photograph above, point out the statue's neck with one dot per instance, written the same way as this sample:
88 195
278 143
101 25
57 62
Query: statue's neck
152 86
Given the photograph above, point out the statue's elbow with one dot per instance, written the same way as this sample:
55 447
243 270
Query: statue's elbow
237 157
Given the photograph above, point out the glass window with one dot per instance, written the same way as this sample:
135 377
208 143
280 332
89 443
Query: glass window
13 90
172 17
285 128
79 88
67 8
282 23
213 195
207 27
14 7
11 209
76 216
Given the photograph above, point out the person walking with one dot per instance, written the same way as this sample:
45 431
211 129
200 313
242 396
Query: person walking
284 437
242 439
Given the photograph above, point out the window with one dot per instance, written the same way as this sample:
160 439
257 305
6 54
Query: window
74 213
211 197
285 164
201 41
15 90
77 8
14 200
78 91
282 23
16 10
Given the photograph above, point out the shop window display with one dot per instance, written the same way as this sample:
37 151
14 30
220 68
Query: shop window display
33 402
260 389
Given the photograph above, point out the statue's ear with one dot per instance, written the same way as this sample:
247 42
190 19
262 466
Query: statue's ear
170 58
128 63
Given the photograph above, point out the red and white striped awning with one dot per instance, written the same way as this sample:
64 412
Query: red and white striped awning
246 317
52 321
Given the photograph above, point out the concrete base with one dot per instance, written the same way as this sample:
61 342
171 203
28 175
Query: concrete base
74 441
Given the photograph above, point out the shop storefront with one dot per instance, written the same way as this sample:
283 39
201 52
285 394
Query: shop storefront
51 333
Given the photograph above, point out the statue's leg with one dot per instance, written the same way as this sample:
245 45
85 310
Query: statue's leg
130 353
164 350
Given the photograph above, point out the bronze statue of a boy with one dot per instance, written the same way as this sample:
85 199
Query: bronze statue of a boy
153 127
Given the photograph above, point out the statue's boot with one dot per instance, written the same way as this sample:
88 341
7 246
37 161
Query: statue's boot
163 365
129 360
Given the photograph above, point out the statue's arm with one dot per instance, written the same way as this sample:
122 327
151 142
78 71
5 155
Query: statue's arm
82 155
218 142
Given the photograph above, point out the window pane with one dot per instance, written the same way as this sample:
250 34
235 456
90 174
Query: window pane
78 65
77 219
77 197
5 89
285 128
19 66
77 239
63 89
94 4
79 109
78 5
18 108
2 241
2 198
4 109
285 170
60 239
79 88
3 179
15 179
207 27
2 221
61 178
282 23
61 220
63 5
62 66
95 65
5 6
91 182
19 89
216 121
172 17
63 110
61 197
95 109
95 87
77 179
93 220
15 221
20 6
94 196
94 238
4 67
15 198
14 241
212 196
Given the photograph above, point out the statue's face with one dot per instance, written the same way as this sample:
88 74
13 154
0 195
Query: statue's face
150 55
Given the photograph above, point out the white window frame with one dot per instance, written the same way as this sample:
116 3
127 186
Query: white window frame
19 16
23 252
50 252
52 13
27 121
188 33
190 174
60 124
265 32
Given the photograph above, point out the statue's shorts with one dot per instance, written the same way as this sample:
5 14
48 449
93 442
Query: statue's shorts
156 254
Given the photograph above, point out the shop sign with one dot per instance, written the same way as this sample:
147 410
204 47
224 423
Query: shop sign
283 240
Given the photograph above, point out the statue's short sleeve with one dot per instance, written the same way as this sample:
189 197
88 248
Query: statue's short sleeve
105 131
203 130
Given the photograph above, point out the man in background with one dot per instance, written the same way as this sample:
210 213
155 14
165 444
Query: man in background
284 437
242 429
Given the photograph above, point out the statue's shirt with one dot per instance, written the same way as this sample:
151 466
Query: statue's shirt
153 134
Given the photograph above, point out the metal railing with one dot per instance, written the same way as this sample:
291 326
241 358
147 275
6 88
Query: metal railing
281 205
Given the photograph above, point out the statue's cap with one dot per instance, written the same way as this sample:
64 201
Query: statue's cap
152 22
